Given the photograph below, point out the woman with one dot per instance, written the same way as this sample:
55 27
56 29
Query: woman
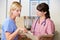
9 29
43 26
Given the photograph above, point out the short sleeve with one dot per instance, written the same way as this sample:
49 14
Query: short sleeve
8 27
51 27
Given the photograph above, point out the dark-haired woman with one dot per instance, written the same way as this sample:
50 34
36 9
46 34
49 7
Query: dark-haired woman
43 26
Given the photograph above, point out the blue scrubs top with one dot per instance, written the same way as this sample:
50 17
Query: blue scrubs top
8 26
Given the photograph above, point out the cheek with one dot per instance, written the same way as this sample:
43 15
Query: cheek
39 14
18 13
15 13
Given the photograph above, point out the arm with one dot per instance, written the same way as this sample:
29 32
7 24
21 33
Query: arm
50 27
10 36
50 30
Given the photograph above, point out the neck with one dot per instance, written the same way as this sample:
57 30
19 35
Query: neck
12 17
42 18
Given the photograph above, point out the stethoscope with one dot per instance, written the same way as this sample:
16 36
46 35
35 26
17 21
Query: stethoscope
44 22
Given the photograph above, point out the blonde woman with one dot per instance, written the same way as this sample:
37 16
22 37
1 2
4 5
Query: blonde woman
9 29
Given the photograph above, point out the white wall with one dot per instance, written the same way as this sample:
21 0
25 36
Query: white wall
25 7
2 10
55 14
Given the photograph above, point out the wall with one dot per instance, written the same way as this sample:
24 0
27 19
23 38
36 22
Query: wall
55 14
25 7
2 10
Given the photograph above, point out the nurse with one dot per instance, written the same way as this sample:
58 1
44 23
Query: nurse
9 29
43 26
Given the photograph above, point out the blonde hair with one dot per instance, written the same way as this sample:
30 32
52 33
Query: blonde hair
15 5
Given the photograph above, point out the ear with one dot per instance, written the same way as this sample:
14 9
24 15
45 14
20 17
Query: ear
11 11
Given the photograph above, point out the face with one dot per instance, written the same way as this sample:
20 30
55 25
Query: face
16 12
40 14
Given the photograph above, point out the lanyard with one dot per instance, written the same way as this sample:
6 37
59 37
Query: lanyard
41 24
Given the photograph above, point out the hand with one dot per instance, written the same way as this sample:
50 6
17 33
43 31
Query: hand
24 30
22 35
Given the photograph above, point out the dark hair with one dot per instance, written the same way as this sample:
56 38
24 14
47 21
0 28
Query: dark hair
45 8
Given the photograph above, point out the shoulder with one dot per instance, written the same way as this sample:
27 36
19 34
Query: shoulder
6 22
48 20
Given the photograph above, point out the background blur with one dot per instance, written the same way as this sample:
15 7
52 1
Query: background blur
28 9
